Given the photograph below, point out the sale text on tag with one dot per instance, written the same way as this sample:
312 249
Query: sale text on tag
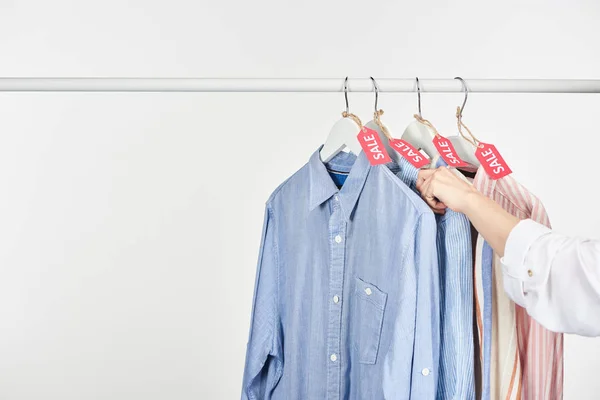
492 161
447 151
373 147
409 152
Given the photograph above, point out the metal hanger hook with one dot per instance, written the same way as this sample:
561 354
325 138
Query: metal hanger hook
346 95
376 92
419 95
466 94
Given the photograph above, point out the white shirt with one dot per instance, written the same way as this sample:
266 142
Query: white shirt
555 277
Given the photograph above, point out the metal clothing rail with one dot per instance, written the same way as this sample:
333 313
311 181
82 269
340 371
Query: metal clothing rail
294 85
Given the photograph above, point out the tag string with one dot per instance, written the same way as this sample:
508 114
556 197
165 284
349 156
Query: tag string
354 117
384 129
473 140
427 123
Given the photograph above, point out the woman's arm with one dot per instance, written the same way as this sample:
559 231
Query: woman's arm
556 278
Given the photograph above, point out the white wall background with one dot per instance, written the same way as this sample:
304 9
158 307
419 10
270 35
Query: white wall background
130 223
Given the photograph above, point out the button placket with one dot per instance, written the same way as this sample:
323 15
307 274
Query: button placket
337 228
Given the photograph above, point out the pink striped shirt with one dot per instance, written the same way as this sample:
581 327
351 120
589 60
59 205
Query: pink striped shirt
536 362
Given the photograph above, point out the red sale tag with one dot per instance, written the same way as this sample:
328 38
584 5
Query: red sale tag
373 147
409 152
447 151
492 161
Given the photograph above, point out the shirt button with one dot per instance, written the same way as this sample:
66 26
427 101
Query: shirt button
530 273
338 239
368 291
336 198
425 371
333 357
336 299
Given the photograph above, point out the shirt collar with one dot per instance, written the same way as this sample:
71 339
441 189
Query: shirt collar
322 186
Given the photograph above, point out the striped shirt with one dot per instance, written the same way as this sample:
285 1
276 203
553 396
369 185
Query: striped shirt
455 259
521 359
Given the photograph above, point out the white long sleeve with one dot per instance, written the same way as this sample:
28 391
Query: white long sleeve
555 277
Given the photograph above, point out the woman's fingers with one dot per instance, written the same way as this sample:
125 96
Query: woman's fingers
427 193
424 174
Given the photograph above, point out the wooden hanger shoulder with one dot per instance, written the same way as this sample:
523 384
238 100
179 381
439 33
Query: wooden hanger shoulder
343 134
464 150
421 137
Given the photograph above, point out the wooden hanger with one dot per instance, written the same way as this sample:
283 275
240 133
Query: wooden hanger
420 136
465 147
343 134
381 129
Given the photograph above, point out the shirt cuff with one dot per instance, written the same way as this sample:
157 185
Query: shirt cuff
519 278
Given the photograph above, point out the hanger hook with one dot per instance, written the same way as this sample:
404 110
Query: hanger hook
419 95
466 94
376 92
346 95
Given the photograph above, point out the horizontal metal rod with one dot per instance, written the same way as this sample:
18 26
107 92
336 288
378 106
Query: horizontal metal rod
294 85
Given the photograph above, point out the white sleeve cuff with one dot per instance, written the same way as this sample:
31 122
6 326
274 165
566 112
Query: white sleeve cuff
517 276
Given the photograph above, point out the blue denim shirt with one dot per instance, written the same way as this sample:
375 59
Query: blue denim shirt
455 258
346 300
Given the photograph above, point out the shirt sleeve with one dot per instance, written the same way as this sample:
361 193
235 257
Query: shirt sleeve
264 354
555 277
426 347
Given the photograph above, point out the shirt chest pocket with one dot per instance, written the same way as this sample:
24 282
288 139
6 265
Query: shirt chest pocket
368 311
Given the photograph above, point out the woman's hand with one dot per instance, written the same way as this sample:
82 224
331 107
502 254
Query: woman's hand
441 189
